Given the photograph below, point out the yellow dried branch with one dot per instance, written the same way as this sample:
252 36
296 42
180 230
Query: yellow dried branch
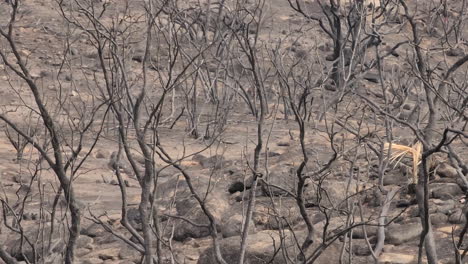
398 152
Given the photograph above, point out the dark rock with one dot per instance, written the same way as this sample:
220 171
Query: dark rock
324 47
445 191
283 144
446 170
408 106
330 57
330 87
399 234
137 58
236 187
371 77
455 52
405 203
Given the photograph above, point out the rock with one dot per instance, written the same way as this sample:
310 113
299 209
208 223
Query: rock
439 219
283 144
395 177
371 231
92 261
446 170
408 106
330 87
277 215
137 58
54 258
457 217
94 230
74 51
84 242
128 253
371 77
399 234
39 236
405 203
79 252
236 187
233 226
360 248
188 208
455 52
263 248
101 154
444 207
445 191
331 192
216 162
22 179
122 164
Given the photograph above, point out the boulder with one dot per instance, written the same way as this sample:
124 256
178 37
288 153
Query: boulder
439 219
277 214
233 226
39 235
371 231
457 217
445 191
188 208
360 247
455 52
444 207
395 177
331 192
446 170
264 247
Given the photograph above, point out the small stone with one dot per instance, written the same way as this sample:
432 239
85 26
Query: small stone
283 144
100 154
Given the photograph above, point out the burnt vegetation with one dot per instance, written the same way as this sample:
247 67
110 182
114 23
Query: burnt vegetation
233 131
